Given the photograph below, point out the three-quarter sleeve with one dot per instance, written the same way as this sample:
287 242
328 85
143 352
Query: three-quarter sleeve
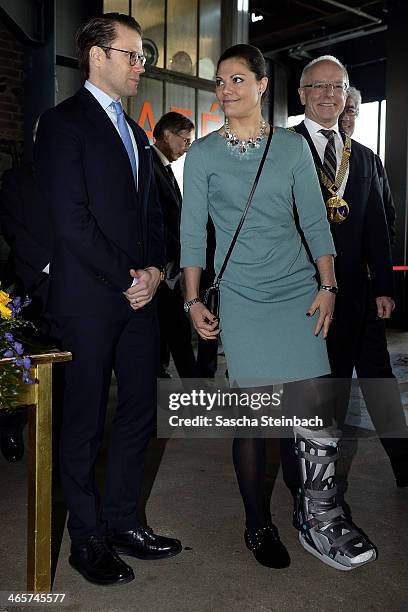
310 205
194 214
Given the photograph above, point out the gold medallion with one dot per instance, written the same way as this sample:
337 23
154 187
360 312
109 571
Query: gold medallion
337 209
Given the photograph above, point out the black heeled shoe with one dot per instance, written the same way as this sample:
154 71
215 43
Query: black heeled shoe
266 546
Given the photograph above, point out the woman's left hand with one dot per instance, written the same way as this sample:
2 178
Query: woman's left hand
324 302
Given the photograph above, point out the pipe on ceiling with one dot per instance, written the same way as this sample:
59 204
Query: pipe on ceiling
351 9
316 43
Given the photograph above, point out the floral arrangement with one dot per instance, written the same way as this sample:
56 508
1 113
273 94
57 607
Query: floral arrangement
17 371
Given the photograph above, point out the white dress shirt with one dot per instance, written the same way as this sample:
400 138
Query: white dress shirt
320 141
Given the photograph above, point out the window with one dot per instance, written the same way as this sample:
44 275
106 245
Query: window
182 36
150 15
116 6
210 38
366 130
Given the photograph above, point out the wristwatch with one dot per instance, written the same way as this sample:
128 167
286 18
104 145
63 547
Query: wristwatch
190 303
330 288
162 273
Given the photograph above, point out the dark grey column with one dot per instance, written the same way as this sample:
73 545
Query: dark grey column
278 93
234 23
396 154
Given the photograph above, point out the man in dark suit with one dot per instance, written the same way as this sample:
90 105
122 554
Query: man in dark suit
95 168
363 263
347 124
173 134
374 344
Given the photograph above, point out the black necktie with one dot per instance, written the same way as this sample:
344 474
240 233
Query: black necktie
173 182
330 159
171 174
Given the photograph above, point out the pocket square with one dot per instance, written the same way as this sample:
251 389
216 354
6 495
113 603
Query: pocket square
147 146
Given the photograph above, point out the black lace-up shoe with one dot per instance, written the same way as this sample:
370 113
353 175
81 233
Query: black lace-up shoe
143 543
98 563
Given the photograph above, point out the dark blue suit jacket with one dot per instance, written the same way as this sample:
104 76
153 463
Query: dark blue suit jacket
170 202
103 226
362 240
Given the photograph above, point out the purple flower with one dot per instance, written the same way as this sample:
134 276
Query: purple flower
8 353
9 337
27 363
27 380
19 362
18 347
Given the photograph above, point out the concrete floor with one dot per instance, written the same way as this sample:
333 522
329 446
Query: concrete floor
192 494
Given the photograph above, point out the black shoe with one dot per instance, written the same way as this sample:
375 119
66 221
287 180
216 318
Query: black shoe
98 563
267 548
12 445
143 543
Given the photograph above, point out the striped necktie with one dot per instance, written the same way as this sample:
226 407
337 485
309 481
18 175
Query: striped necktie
124 134
330 158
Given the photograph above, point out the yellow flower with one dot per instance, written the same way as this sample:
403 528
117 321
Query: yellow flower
5 312
4 298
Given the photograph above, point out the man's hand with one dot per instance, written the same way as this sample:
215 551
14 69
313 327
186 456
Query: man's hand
385 306
142 292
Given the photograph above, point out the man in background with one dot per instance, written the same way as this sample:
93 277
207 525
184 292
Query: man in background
173 134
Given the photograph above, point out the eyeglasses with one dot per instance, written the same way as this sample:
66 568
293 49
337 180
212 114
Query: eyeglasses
350 110
187 141
337 87
135 58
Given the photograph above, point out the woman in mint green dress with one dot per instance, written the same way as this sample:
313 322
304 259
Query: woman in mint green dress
273 317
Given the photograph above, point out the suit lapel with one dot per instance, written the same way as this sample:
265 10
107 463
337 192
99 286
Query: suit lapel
302 129
144 168
352 172
173 190
98 116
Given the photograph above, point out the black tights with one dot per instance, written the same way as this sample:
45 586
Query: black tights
249 454
249 458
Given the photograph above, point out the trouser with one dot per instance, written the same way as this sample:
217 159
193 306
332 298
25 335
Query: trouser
128 344
175 331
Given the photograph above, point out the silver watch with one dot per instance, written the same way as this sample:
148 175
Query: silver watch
190 303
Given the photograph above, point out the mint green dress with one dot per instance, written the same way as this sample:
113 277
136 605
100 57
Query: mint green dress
269 282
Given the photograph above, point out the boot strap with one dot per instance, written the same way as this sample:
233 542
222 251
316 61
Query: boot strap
311 493
340 543
317 458
324 517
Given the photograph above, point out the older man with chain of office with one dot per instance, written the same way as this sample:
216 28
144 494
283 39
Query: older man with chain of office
350 187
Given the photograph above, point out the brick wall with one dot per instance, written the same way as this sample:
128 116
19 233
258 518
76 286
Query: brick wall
11 86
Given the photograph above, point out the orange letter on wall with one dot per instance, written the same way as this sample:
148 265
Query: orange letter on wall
147 113
183 111
206 117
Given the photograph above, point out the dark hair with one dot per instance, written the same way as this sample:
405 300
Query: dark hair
174 122
252 56
100 31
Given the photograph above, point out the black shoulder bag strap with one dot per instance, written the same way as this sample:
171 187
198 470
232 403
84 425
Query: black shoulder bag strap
211 298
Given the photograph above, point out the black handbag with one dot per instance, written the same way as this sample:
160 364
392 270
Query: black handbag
211 298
